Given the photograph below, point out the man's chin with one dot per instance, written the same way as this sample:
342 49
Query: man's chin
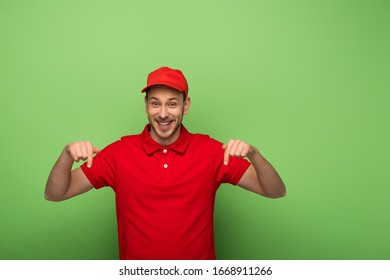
162 132
165 135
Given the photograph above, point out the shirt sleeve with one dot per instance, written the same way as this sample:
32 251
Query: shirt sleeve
103 169
232 172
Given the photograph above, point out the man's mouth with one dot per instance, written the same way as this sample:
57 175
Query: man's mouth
164 125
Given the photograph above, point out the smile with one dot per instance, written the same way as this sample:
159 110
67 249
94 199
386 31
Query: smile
164 123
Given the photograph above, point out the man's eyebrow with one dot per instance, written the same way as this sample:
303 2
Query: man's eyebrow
169 99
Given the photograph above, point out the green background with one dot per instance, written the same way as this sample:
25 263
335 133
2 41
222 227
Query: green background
307 82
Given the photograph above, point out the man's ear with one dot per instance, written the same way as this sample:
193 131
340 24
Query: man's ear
187 104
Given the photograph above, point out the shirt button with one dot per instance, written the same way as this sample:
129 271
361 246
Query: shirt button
165 151
165 165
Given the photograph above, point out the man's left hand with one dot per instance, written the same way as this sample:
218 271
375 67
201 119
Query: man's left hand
236 148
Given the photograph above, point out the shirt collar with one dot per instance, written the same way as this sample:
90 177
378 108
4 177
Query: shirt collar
150 146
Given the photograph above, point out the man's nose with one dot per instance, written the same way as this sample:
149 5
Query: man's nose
163 112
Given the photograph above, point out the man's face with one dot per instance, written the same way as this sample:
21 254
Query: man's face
165 108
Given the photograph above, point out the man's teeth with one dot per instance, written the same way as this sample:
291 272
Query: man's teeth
164 123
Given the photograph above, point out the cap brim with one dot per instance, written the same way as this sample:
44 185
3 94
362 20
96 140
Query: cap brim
145 88
171 85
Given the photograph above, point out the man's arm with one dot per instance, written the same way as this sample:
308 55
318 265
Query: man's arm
260 177
63 183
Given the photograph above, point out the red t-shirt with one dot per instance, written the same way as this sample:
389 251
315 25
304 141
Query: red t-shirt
165 194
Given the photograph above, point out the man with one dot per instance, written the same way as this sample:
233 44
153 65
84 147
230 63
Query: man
165 178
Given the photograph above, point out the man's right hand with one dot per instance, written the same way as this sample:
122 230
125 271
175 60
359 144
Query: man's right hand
83 150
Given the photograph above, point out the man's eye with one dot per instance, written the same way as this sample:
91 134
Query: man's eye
155 104
172 105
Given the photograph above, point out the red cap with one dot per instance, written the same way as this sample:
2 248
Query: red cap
168 77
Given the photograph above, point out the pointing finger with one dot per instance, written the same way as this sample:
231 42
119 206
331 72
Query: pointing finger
90 154
227 152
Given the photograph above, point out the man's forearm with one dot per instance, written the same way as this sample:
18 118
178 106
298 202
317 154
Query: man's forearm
268 178
59 178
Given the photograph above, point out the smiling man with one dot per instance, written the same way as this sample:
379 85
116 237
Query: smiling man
165 107
165 179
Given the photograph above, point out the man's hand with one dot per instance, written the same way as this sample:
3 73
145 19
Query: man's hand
260 177
82 150
236 148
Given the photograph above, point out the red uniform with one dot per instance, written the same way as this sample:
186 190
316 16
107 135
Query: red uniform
165 194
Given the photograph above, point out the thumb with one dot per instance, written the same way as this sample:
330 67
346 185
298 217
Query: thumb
95 150
224 146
